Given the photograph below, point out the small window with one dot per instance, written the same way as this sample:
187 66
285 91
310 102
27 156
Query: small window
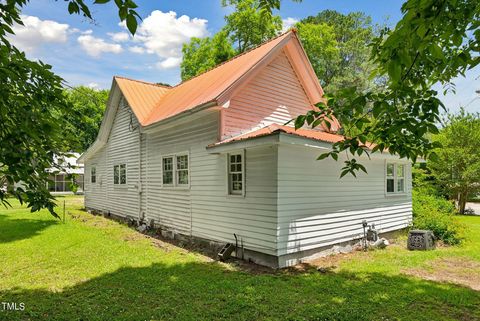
235 174
93 175
395 178
167 165
120 174
182 170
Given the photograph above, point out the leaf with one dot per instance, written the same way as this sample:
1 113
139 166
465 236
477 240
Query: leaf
101 1
394 70
323 156
300 121
132 23
73 8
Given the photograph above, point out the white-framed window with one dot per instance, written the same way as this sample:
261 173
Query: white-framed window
175 170
93 174
182 169
395 178
167 170
236 174
120 174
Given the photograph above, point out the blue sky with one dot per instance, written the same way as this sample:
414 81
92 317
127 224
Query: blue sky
86 53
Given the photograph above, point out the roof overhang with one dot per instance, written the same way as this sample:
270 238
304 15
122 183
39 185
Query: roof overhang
282 138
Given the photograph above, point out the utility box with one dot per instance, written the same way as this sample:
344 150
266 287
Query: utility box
420 240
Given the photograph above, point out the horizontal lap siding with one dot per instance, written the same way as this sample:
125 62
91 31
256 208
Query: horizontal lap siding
95 193
123 147
274 96
317 208
205 210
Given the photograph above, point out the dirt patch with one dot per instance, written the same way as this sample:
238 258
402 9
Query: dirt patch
459 270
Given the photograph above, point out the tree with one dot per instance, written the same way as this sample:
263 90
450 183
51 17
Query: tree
249 26
435 41
34 109
350 64
321 46
201 55
85 117
457 167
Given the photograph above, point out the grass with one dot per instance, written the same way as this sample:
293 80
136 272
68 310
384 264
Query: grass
90 268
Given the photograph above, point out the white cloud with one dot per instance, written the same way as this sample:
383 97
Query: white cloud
96 46
93 85
288 23
119 36
168 63
36 32
137 49
87 32
163 34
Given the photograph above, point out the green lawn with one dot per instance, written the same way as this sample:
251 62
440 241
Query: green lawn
91 268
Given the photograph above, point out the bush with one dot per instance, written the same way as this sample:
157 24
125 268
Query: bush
435 213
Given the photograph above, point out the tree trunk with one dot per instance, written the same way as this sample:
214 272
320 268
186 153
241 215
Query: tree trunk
462 201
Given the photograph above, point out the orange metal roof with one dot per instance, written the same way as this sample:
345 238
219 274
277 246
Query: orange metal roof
274 128
141 96
152 103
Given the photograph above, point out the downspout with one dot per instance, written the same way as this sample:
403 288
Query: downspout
140 183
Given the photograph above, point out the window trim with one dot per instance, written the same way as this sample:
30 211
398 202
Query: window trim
94 169
395 178
117 185
244 163
174 184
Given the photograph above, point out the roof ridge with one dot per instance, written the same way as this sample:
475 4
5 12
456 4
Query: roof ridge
145 82
293 30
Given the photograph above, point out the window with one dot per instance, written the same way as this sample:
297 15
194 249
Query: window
120 174
395 178
167 165
175 170
93 175
235 174
182 170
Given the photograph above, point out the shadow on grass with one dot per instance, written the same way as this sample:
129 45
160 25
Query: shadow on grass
201 291
14 229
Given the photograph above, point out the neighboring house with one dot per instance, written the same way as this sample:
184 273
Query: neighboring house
66 174
211 158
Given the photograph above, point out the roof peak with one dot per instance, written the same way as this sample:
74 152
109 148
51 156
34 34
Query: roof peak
144 82
291 30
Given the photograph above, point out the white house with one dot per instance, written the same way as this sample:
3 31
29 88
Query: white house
211 157
67 172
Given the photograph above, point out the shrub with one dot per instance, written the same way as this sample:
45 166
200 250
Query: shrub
435 213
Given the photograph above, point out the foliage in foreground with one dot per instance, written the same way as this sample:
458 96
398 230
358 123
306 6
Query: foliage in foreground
434 42
33 109
431 212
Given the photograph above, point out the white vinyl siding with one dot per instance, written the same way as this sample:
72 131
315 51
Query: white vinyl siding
316 208
95 193
122 150
204 209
